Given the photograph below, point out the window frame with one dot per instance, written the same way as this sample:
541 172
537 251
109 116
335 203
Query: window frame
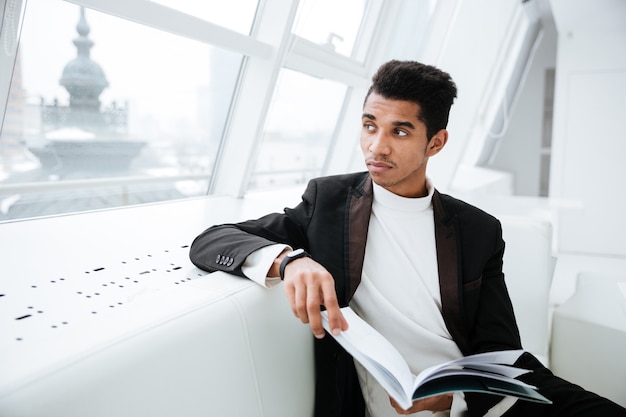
270 47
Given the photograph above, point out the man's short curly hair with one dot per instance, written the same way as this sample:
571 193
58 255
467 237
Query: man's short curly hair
432 89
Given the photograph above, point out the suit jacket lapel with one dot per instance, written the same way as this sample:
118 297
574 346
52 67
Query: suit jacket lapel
358 211
446 240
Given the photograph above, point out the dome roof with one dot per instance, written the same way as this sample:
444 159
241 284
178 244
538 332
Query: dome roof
82 77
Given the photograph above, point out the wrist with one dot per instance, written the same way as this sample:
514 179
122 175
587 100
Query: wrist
290 257
275 267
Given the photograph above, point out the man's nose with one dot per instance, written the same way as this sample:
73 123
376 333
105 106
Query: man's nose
380 144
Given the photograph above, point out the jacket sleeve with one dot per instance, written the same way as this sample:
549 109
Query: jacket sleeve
493 327
225 247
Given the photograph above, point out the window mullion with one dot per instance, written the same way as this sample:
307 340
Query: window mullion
10 24
318 61
173 21
242 138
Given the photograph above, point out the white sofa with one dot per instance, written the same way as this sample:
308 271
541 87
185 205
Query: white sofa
102 314
597 312
528 268
82 338
239 352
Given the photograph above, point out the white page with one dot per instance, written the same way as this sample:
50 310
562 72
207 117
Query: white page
507 357
388 367
375 353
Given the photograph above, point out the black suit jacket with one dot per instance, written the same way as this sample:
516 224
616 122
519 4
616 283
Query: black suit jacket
331 223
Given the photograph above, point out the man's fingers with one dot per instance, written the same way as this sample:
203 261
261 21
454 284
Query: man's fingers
396 406
308 286
436 403
290 292
315 317
336 322
296 293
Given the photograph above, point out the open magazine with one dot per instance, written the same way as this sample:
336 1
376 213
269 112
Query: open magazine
485 372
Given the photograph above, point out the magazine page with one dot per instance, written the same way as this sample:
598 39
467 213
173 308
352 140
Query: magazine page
475 381
496 362
504 357
484 372
376 354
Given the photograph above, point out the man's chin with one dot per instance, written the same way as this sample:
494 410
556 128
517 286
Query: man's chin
380 180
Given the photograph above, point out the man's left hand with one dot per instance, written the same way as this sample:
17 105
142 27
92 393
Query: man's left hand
437 403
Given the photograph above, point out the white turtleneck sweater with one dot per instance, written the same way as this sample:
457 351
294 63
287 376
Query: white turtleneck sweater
399 291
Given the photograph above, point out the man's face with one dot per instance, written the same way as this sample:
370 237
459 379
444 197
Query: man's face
395 145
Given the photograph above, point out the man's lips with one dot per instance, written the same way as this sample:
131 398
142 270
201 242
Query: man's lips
379 166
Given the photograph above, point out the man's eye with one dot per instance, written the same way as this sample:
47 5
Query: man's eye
401 133
368 127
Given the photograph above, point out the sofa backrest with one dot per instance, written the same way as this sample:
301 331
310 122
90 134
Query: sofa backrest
528 267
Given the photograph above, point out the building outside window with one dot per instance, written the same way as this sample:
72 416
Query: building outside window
104 112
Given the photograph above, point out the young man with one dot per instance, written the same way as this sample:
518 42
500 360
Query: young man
421 267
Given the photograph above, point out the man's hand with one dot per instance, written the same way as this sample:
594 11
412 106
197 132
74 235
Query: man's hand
308 285
438 403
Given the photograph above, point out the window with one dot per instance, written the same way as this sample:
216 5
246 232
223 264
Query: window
104 112
141 101
331 41
298 131
335 25
237 15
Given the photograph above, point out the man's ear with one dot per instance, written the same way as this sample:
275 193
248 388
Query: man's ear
437 142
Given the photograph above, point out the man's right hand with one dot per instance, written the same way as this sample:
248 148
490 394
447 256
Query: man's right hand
308 285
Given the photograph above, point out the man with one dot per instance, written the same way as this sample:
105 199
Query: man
421 267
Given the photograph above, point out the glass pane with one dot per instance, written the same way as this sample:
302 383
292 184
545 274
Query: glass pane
237 15
331 23
298 131
104 112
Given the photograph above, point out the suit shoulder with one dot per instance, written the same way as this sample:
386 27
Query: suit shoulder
477 228
341 182
354 178
455 206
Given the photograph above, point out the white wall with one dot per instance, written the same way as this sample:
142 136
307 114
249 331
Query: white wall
589 135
